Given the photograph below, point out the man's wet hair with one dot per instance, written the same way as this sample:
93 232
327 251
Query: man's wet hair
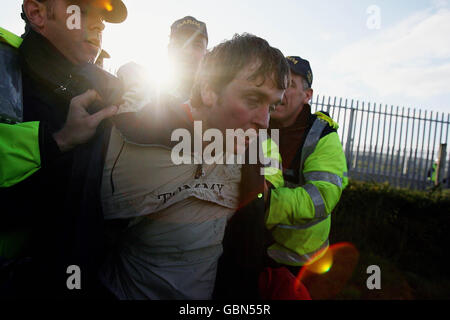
222 64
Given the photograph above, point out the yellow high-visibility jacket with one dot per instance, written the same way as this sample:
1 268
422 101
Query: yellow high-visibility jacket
19 142
299 215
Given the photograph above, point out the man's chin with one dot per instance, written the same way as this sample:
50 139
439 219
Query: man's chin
277 115
90 55
240 149
85 58
237 149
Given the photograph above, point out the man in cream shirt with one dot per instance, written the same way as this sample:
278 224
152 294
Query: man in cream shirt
174 216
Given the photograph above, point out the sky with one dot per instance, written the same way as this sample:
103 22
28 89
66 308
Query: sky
387 52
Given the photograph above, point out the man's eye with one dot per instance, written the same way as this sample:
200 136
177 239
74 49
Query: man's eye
272 107
252 105
252 102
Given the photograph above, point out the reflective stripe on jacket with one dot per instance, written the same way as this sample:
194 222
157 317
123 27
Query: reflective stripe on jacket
299 214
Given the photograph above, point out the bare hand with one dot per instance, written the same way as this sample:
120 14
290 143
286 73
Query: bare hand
80 126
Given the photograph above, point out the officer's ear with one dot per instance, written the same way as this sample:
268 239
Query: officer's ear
309 94
36 13
209 96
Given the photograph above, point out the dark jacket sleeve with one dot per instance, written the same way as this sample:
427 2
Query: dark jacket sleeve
24 149
245 242
49 149
28 149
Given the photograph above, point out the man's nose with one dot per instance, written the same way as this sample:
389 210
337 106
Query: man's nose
97 23
262 117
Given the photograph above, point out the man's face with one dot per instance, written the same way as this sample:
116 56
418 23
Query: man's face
242 104
294 100
186 51
78 45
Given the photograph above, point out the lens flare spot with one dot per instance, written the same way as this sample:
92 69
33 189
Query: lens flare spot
104 4
108 7
322 264
329 271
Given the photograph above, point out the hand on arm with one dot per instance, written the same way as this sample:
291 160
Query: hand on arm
323 171
81 126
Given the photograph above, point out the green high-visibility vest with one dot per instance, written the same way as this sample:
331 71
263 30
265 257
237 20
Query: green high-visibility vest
19 142
19 152
10 38
299 216
434 172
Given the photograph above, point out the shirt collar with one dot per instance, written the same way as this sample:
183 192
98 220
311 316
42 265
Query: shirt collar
41 60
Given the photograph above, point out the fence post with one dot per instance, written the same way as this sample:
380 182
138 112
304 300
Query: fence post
448 174
441 164
349 144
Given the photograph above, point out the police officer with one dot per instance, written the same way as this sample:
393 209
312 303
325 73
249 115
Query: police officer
42 196
313 178
187 47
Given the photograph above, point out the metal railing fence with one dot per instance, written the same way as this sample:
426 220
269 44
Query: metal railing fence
389 144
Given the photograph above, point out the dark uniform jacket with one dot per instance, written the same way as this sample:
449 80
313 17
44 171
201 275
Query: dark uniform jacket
59 206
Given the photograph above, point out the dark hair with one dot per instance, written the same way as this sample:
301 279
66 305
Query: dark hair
221 65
